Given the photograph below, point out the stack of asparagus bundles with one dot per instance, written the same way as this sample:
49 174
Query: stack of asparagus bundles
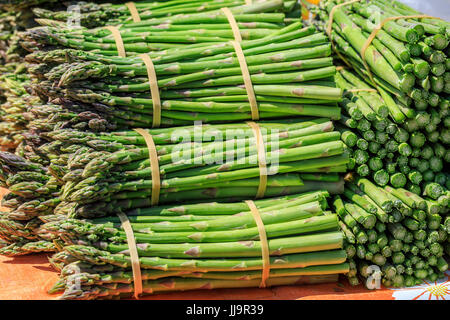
14 98
114 94
198 246
14 17
96 174
385 147
401 233
19 17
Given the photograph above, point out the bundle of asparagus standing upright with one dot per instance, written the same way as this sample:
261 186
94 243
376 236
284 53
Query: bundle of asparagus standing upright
198 246
407 63
391 152
403 234
395 127
404 56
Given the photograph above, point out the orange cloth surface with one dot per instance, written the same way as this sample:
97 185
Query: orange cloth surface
29 277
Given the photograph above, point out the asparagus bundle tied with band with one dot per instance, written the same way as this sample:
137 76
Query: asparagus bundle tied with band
216 245
394 232
291 75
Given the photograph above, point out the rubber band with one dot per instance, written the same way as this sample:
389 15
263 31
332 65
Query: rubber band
264 243
133 11
233 24
330 27
262 163
331 16
154 89
134 256
362 90
118 39
375 32
247 80
154 165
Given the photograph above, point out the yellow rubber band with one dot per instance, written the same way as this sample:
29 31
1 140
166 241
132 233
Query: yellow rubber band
132 248
262 163
264 243
374 34
233 24
362 90
154 89
247 80
330 27
154 163
331 16
118 39
133 11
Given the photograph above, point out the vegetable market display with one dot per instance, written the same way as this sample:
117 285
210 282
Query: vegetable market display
18 43
73 101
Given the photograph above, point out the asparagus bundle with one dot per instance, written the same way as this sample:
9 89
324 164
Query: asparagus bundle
194 166
291 75
404 55
403 153
398 231
167 12
56 115
204 245
256 21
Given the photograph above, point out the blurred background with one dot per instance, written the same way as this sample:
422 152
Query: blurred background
437 8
